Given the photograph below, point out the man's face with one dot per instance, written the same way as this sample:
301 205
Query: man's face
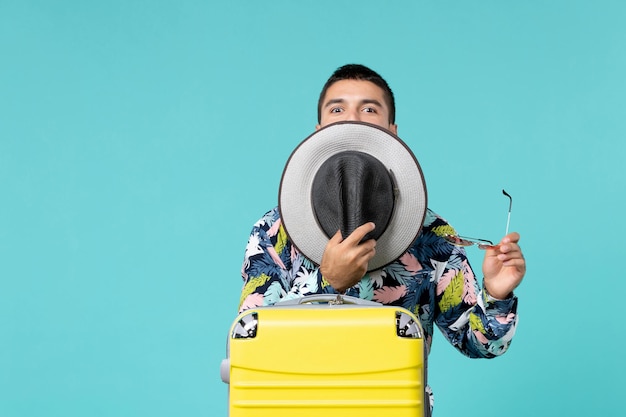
355 100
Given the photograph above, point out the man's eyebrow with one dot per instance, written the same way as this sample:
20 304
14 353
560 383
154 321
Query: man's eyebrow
341 100
371 101
333 101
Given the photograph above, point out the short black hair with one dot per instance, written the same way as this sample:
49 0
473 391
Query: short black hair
361 73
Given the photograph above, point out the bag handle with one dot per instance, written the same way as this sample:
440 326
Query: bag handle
332 299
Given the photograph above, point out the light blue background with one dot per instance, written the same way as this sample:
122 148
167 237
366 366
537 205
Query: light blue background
140 140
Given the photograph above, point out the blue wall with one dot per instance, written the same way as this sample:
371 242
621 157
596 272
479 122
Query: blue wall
140 140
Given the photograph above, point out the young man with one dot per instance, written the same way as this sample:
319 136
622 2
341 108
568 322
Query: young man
433 278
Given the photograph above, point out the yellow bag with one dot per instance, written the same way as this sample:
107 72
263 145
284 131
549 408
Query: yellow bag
326 355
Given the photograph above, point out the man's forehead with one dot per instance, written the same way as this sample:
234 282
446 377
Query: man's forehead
355 85
360 89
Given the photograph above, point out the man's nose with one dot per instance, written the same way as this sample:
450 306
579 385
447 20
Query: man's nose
353 115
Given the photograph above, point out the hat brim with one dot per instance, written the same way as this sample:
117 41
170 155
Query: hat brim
294 197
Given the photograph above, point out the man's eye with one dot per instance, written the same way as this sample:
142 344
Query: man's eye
369 110
335 110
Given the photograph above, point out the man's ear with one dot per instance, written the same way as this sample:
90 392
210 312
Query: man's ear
317 127
394 129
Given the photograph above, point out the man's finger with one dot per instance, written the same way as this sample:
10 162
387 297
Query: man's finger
511 237
359 233
336 239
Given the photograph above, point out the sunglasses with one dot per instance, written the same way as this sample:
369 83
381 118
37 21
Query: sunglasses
481 243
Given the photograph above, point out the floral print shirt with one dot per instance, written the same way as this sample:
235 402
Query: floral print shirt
433 279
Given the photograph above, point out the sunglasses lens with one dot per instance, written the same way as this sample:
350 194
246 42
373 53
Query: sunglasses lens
458 240
469 241
485 246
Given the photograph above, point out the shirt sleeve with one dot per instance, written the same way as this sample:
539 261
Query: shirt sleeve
475 323
273 270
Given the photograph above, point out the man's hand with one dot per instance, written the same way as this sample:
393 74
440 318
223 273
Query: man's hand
504 267
344 261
